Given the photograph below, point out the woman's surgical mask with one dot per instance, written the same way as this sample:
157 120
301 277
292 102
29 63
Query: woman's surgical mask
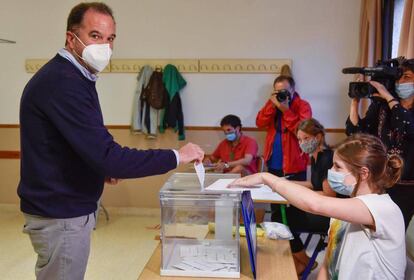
232 136
336 181
310 146
404 90
96 56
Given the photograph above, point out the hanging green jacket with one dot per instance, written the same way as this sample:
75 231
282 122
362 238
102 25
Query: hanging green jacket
173 115
173 81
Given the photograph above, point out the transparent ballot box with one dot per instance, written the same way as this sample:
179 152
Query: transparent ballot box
198 233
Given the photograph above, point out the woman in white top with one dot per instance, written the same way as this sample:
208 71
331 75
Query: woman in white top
366 235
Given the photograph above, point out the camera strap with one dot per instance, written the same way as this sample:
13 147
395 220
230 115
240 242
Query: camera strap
278 121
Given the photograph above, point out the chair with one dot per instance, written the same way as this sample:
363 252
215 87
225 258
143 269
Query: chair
319 247
260 161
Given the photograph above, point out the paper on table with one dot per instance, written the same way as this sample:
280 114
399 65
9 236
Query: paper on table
201 173
221 185
259 192
265 196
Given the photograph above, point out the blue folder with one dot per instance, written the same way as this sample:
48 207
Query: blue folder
249 219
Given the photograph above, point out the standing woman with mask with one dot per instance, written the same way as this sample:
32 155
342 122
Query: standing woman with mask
392 120
366 235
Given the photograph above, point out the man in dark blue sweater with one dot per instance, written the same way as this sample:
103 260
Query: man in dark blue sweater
66 151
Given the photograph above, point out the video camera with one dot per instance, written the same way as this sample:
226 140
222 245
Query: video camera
385 72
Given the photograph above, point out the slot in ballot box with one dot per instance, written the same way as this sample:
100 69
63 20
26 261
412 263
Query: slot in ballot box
187 211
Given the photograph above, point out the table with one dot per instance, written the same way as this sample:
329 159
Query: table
273 198
274 261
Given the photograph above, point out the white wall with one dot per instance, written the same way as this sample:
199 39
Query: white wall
320 36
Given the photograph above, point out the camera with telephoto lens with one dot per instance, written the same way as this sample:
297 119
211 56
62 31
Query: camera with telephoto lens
282 95
384 72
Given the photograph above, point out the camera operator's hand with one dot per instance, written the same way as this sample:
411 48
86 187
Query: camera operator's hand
282 106
382 92
274 99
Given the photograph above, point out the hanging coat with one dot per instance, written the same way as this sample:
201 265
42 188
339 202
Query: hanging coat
144 117
173 114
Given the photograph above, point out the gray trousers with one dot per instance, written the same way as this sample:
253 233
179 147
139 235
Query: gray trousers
62 245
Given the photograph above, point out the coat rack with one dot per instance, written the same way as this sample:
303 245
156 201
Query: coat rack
7 41
252 66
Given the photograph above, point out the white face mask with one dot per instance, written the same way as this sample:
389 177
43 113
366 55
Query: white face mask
96 56
404 90
336 181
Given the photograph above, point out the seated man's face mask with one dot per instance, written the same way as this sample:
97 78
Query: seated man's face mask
97 56
232 136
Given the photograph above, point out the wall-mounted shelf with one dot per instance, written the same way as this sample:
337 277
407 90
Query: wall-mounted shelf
135 65
33 65
242 65
251 66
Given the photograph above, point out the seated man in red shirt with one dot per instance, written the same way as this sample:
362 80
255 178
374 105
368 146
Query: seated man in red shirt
237 153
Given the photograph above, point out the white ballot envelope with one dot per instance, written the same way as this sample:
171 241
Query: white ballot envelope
201 173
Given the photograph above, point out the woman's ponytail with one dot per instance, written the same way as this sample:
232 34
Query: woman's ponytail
393 170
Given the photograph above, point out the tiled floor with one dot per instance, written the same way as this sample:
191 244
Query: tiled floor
120 248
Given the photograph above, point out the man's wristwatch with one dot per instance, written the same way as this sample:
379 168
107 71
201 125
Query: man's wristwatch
226 165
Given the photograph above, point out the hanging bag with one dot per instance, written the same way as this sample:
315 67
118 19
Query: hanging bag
155 93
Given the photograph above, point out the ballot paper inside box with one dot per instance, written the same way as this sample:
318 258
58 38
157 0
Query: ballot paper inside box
197 228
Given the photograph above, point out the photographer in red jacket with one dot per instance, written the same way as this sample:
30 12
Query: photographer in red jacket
280 116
